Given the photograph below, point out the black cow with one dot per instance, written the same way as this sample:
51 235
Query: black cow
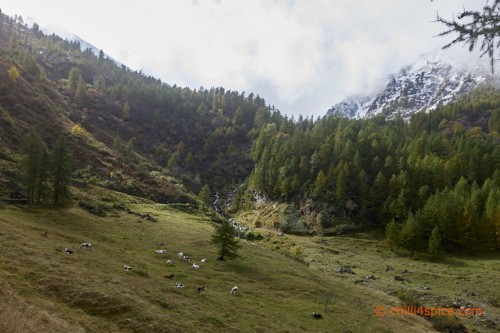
317 315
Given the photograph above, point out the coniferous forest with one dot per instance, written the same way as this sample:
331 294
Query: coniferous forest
440 169
431 182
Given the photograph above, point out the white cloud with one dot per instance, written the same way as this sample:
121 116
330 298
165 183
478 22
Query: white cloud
300 55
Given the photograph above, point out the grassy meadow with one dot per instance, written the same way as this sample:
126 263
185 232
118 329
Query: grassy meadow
42 288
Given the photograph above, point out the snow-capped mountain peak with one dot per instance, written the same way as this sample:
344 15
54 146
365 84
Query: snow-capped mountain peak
431 81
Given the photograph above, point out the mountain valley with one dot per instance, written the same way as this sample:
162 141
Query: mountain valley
389 200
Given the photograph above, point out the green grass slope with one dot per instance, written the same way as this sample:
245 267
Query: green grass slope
452 281
42 288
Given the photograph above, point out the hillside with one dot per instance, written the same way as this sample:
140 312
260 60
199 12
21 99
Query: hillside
156 140
89 291
281 279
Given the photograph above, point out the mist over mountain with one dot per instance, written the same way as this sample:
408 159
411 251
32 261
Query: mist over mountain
433 80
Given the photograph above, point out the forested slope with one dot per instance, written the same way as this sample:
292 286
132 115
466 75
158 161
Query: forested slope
130 131
441 168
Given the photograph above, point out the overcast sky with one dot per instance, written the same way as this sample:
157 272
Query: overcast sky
302 56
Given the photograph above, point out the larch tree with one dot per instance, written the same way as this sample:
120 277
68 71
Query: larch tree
476 28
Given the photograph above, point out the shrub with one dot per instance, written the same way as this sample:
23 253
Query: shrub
13 74
257 221
447 324
78 131
407 298
292 223
250 236
98 209
295 253
341 229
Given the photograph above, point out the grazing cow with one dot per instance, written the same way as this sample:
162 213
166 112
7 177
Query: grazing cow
180 255
186 258
127 267
234 290
168 276
179 285
201 289
67 250
203 260
170 262
161 251
86 246
196 266
317 315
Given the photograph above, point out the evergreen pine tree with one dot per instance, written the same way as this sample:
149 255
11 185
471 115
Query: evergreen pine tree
223 238
117 143
492 214
73 78
129 148
321 184
204 196
100 84
80 91
392 234
33 168
61 174
42 190
172 162
340 187
410 234
125 111
434 247
189 160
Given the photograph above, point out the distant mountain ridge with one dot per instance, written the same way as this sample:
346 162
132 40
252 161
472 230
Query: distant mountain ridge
71 37
430 82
